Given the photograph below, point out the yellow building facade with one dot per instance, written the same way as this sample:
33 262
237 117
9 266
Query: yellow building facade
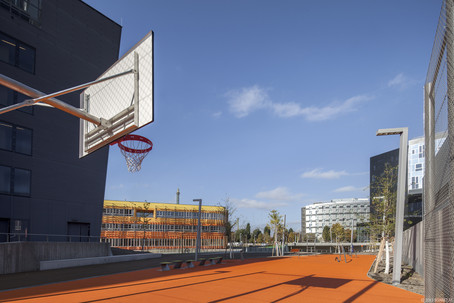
162 226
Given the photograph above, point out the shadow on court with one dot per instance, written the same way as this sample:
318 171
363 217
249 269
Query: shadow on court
294 279
102 277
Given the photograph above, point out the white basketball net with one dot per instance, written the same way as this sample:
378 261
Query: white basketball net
134 148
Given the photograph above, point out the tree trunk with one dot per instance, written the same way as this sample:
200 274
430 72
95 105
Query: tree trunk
387 258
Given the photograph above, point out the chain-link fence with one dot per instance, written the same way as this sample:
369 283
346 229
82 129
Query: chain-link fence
438 179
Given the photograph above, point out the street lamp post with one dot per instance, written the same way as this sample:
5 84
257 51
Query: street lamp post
283 236
331 236
351 239
401 196
197 243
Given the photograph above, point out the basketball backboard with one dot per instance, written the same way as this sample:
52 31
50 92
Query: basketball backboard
124 103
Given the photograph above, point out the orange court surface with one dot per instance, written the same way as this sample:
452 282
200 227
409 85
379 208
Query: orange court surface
316 278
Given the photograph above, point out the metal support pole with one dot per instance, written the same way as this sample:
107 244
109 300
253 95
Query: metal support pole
429 137
50 98
401 197
283 236
197 245
351 240
400 207
136 88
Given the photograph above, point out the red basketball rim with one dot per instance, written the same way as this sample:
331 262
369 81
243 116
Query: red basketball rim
135 138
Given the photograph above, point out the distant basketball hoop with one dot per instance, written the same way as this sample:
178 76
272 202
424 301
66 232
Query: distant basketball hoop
134 148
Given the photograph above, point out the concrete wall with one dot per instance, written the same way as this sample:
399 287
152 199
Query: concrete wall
413 247
26 256
55 264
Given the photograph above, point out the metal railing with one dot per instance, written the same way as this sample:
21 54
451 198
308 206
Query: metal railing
24 237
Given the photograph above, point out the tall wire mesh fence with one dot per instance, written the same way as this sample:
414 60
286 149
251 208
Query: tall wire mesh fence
438 179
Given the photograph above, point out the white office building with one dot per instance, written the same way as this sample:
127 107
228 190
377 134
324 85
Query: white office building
416 157
343 211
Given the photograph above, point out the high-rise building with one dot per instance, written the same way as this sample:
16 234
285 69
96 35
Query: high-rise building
416 160
415 163
46 191
303 222
415 175
416 169
377 167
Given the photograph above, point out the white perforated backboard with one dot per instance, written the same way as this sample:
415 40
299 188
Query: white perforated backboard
115 100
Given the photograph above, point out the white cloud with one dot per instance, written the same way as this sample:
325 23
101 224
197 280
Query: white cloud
347 189
249 203
243 102
313 113
217 114
397 80
319 174
116 187
290 109
401 81
279 194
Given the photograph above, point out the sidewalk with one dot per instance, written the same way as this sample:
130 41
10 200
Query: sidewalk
18 280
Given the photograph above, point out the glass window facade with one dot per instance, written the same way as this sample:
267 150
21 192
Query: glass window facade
5 179
169 228
15 181
17 53
416 161
15 138
23 140
21 184
28 10
6 136
337 211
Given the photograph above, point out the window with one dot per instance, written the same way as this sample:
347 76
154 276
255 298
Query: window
16 53
421 151
414 182
6 136
21 182
23 140
28 10
418 167
15 181
143 214
10 97
5 179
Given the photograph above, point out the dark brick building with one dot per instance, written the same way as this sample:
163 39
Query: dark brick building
45 189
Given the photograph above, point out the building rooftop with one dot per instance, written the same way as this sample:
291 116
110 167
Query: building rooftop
172 206
340 201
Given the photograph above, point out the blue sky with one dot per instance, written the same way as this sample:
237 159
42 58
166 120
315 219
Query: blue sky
272 104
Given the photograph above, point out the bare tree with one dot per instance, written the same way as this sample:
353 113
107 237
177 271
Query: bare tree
382 221
143 213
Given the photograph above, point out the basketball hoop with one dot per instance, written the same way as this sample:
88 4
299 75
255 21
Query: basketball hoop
134 148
